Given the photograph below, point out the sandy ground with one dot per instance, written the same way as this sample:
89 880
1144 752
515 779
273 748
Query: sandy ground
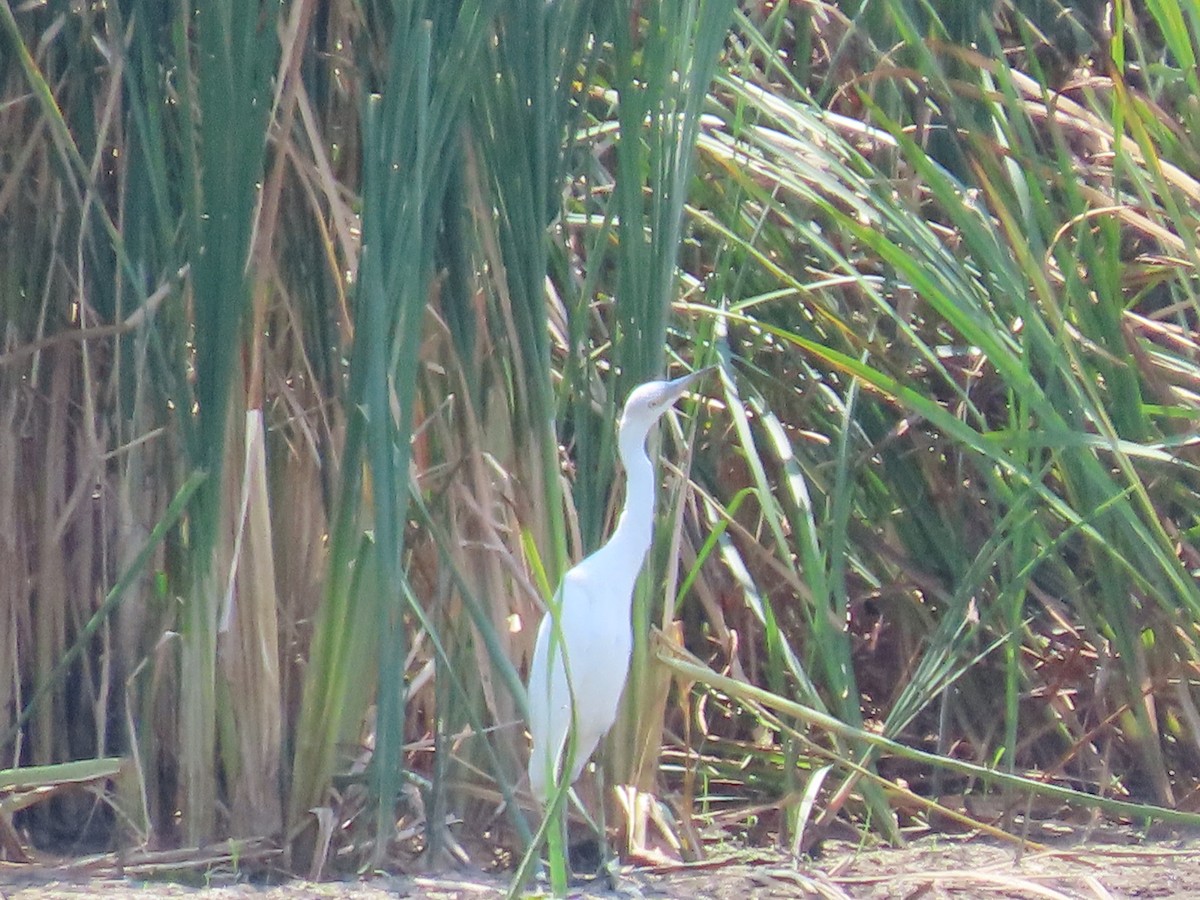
932 867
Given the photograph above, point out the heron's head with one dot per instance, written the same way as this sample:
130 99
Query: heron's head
650 400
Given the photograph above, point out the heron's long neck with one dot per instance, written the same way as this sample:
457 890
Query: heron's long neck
636 525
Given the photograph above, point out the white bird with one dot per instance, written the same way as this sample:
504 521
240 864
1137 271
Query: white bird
594 602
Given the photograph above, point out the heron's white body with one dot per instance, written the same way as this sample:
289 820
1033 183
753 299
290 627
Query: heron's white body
594 602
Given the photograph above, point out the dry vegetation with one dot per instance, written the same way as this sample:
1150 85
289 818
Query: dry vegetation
313 322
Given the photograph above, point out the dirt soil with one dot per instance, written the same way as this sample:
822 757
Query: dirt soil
933 867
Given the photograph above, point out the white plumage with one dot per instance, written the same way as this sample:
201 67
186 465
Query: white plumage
595 599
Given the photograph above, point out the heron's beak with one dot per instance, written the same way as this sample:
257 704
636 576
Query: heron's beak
681 385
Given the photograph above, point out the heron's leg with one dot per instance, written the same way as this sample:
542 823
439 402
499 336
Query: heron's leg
608 863
583 811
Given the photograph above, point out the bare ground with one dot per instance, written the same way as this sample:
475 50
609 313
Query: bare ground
932 867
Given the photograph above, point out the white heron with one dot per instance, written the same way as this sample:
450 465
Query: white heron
594 603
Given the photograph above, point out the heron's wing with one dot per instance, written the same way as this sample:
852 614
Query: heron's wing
595 642
549 710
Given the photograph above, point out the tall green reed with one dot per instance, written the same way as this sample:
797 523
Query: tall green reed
664 57
959 304
412 129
